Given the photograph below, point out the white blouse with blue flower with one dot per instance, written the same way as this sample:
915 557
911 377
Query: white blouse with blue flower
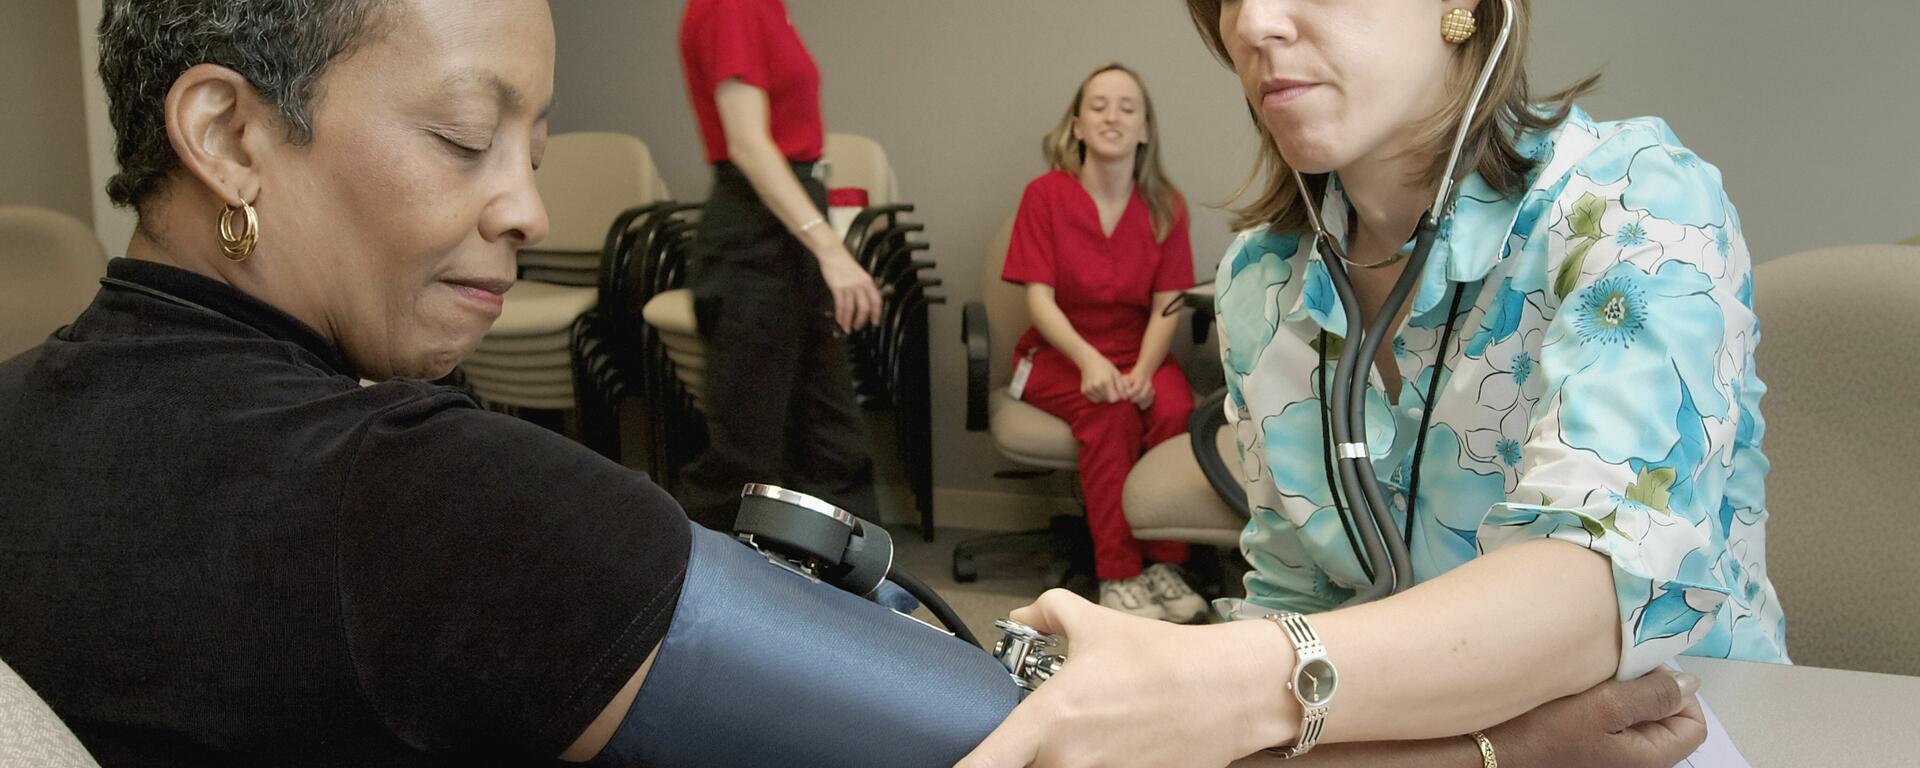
1599 388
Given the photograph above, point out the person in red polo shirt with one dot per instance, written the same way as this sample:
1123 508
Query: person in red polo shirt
1101 244
771 280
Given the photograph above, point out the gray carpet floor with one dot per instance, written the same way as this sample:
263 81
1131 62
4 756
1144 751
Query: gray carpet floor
1004 583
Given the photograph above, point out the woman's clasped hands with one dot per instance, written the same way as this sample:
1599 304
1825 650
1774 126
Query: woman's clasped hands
1103 382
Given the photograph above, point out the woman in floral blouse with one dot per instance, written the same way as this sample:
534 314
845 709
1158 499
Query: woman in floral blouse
1574 373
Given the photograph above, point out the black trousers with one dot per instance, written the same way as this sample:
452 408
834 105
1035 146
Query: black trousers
779 401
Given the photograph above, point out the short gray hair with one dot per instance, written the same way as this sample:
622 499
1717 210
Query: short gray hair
282 47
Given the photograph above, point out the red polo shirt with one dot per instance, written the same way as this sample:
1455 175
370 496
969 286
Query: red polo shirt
1103 283
751 40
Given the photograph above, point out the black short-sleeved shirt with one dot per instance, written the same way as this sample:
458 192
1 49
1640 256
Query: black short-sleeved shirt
216 547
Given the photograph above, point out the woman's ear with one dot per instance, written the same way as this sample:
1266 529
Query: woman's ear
212 112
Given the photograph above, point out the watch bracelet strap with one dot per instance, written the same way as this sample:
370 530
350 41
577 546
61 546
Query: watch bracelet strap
1487 760
1312 719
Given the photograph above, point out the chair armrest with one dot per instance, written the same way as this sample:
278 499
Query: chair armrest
973 333
1204 427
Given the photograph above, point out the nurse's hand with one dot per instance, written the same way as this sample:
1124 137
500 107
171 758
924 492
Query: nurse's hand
856 300
1137 692
1100 381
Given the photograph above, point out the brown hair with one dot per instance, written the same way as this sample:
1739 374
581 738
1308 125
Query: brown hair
1066 153
1508 110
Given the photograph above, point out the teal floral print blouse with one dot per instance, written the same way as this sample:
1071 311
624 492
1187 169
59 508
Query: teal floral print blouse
1599 389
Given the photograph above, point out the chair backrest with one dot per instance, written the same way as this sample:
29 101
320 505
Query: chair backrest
857 161
1007 316
1840 357
30 734
50 268
586 179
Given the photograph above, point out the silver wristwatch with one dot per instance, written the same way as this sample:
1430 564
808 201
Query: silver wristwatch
1312 683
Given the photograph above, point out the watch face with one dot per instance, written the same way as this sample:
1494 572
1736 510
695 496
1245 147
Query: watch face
1315 682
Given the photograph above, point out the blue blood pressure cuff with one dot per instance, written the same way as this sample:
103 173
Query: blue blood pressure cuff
763 666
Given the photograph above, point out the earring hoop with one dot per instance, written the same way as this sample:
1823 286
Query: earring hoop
1457 26
238 247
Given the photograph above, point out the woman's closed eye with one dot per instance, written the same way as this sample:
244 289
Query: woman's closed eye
463 147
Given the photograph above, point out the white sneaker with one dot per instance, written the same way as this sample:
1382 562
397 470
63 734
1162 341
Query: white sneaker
1131 596
1181 603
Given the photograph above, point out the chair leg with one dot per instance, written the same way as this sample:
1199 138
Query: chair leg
1065 539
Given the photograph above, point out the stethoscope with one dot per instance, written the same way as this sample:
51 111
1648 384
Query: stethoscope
1384 558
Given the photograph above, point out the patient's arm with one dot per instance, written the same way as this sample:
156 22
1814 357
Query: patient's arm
762 666
601 729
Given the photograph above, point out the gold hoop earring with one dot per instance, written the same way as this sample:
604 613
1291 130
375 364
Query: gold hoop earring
1457 26
238 247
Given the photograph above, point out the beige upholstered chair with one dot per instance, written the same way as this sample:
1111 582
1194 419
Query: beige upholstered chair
857 161
671 315
30 734
1840 352
50 268
1021 432
586 181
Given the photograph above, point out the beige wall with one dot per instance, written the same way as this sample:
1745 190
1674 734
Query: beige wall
1810 115
44 133
114 225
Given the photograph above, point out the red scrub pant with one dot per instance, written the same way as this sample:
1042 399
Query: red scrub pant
1112 438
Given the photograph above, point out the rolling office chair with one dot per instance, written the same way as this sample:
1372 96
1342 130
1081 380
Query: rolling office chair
1021 432
1839 359
50 268
588 182
30 734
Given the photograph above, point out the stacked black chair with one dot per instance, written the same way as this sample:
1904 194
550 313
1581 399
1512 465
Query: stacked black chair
611 349
890 359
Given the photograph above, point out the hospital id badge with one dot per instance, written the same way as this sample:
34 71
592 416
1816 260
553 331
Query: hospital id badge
1020 373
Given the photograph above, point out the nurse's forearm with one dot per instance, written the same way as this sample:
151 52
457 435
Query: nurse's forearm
1055 327
1159 335
1474 647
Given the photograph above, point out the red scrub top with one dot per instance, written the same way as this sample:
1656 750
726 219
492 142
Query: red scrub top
1103 284
751 40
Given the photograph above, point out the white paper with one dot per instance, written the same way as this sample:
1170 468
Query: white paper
1718 750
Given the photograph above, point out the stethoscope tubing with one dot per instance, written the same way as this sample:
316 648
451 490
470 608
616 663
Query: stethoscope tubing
1385 558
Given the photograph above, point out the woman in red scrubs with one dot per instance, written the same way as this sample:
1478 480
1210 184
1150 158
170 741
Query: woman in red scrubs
1101 244
771 281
